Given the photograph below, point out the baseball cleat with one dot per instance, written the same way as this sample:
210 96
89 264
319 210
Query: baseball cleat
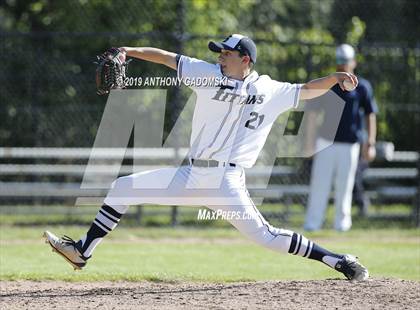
352 269
67 248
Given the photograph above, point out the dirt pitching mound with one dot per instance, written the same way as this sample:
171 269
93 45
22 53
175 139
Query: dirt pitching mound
325 294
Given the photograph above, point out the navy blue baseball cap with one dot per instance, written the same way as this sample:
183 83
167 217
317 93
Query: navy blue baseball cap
236 42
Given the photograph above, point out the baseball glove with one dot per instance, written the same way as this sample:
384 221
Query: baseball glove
111 70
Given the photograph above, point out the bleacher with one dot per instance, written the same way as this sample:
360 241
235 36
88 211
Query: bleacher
56 174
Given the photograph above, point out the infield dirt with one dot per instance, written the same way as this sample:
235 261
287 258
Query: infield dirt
325 294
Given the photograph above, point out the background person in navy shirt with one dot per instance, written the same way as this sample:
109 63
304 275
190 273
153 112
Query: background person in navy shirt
336 165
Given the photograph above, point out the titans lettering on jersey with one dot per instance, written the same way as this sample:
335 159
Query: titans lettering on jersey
231 122
224 96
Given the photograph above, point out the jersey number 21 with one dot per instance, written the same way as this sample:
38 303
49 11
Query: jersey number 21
252 122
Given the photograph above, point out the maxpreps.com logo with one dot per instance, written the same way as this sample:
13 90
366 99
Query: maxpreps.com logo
223 95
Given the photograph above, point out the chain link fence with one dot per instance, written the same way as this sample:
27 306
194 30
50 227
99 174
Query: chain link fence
47 97
48 89
50 101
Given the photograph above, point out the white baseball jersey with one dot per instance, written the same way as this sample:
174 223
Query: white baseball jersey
231 122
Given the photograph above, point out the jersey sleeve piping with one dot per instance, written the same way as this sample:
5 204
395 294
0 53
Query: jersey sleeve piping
297 96
179 66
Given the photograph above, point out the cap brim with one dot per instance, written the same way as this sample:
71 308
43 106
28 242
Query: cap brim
343 61
217 47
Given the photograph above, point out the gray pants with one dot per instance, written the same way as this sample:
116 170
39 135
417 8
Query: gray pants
334 165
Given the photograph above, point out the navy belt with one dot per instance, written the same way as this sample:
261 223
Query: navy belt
210 163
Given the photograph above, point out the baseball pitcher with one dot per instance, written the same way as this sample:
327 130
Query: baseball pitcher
231 123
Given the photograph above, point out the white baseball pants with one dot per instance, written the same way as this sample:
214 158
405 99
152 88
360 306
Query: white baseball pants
337 163
219 188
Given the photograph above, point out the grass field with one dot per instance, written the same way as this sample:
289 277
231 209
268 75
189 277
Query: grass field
211 254
213 251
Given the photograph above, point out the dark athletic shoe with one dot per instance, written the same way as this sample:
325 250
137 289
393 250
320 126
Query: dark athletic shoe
352 269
